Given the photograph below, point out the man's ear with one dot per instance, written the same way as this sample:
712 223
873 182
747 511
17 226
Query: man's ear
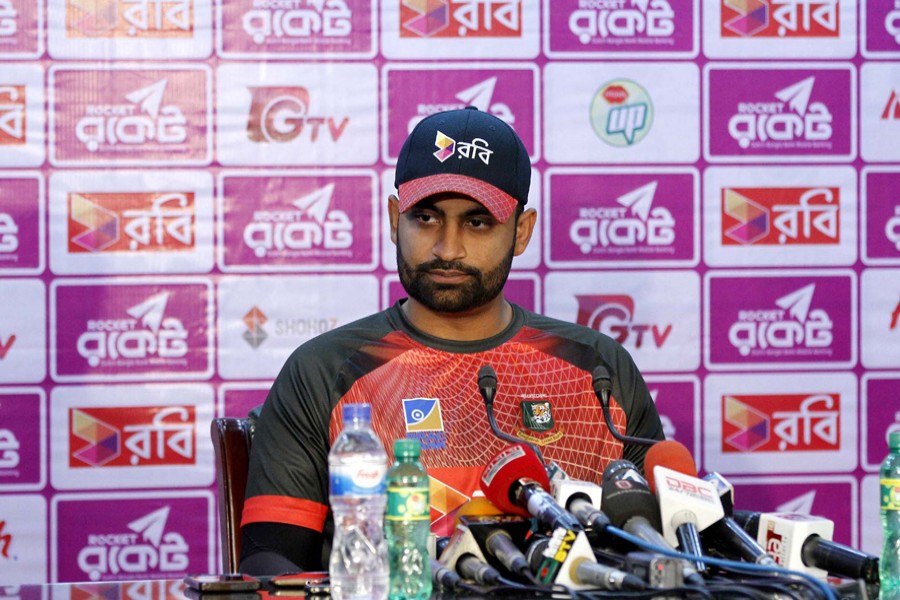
524 229
393 206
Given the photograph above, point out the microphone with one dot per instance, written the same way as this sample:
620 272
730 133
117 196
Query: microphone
487 387
581 499
630 506
444 578
576 570
473 568
803 543
688 505
495 535
602 384
727 535
515 482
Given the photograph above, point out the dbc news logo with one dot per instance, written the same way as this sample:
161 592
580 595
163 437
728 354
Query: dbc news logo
12 115
649 23
148 546
781 20
635 226
312 229
128 436
791 328
149 19
281 114
780 216
302 22
613 315
460 19
781 422
131 222
146 333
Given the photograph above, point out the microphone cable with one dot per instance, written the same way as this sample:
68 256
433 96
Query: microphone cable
601 381
728 565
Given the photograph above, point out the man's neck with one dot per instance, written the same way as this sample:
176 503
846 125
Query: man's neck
477 324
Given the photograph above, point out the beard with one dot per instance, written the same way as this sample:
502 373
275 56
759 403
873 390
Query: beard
478 290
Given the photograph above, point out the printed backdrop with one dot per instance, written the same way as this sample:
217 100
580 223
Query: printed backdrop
189 189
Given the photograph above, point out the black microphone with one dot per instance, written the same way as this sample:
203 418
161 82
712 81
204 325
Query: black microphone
487 387
632 507
445 578
778 531
602 384
473 568
497 536
581 570
727 535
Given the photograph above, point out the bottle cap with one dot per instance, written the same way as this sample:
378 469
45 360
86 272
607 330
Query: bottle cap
357 412
406 448
894 440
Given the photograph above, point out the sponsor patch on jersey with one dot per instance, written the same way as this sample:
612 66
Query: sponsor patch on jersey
537 415
424 422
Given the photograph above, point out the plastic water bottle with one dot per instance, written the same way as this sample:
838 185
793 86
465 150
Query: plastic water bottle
357 465
889 570
407 523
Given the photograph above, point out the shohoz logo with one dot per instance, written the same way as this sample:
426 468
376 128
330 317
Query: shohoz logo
140 329
129 436
780 320
780 111
780 216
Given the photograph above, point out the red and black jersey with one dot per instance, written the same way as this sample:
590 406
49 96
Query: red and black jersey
426 388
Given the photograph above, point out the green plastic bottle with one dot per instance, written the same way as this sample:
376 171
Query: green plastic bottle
407 523
889 569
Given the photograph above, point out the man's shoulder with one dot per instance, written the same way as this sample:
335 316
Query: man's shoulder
350 335
565 329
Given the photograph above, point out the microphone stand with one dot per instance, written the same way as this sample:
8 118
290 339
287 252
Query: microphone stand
487 387
602 383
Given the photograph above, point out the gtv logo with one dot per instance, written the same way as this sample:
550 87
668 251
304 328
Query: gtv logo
614 316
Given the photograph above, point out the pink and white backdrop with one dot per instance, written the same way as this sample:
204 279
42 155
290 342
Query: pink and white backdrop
191 188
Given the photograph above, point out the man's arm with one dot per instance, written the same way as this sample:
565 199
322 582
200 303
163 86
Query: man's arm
275 548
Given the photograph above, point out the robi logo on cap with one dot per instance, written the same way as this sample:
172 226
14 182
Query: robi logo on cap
477 148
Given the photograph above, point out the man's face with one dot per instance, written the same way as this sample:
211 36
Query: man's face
452 254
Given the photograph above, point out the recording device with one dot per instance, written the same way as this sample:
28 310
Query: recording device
228 583
298 580
803 543
657 570
602 384
566 558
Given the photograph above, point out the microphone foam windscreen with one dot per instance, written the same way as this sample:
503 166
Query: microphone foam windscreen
672 455
504 470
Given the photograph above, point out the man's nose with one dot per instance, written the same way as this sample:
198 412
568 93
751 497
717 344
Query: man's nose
449 245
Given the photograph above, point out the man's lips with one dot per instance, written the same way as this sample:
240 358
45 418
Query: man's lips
447 276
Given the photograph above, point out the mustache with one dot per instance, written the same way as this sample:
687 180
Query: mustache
442 265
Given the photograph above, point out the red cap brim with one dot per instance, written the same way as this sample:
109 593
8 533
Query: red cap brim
499 203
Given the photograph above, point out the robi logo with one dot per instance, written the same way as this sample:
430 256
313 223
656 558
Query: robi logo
5 541
614 316
280 114
12 115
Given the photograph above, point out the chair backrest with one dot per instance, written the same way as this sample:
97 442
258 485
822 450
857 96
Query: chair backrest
231 438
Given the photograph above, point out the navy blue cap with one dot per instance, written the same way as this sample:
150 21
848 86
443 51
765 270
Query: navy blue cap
468 152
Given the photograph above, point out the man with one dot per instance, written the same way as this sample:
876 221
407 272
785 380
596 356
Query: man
462 178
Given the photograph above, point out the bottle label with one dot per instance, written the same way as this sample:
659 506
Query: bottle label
890 494
407 504
357 480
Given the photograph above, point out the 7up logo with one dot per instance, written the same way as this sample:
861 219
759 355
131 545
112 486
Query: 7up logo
621 113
